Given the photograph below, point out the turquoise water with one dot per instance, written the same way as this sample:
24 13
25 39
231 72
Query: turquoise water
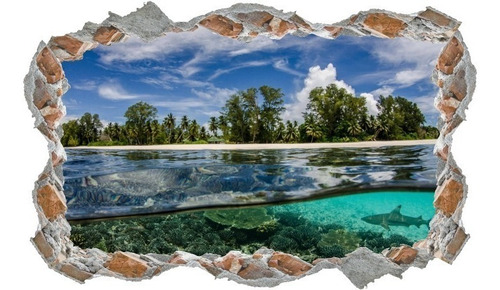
348 210
329 227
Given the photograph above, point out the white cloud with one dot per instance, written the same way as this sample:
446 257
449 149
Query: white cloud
316 77
180 104
84 85
208 46
113 90
282 65
371 103
417 59
214 95
383 91
68 118
248 64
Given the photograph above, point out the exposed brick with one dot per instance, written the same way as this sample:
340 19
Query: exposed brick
435 17
457 242
448 195
402 255
334 30
222 25
75 273
49 66
458 86
42 245
385 24
450 56
51 201
40 96
289 264
107 35
127 265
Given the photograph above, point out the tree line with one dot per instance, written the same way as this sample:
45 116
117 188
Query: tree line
332 115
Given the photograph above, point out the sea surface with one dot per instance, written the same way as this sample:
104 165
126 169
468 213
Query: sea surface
107 183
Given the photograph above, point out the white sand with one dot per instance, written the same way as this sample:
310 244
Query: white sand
262 146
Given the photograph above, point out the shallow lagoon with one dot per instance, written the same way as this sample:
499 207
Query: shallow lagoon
312 201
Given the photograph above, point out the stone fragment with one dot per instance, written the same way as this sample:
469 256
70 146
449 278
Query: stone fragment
363 266
222 25
448 195
209 266
127 264
289 264
385 24
253 33
73 47
40 96
435 17
51 201
256 270
42 245
107 35
180 258
56 159
450 56
448 106
458 86
52 115
231 262
49 66
75 273
402 255
333 260
280 27
457 242
300 22
334 30
443 152
257 18
353 18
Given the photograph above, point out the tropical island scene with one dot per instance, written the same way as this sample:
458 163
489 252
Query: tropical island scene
206 144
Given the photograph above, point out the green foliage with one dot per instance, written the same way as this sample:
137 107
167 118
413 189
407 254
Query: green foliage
139 116
332 115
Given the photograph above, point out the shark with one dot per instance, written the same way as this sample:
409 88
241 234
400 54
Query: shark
395 218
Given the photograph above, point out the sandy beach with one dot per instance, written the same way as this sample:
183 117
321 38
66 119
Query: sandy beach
262 146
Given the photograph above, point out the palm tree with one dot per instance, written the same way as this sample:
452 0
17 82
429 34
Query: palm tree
213 126
223 126
312 128
292 131
353 128
280 132
193 131
169 124
184 126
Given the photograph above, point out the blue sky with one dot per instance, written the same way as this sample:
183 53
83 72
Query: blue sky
194 73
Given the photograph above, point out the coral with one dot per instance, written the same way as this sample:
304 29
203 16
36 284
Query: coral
282 243
331 251
248 218
268 227
343 238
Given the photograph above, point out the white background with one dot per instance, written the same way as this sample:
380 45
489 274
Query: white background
26 23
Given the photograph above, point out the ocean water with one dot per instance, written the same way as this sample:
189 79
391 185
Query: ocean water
310 202
326 227
108 183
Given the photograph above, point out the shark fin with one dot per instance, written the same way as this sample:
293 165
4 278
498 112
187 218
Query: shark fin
397 210
385 225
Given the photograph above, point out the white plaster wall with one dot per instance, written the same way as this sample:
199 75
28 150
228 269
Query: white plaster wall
24 152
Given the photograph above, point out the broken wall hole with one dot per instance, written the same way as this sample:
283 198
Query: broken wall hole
45 84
